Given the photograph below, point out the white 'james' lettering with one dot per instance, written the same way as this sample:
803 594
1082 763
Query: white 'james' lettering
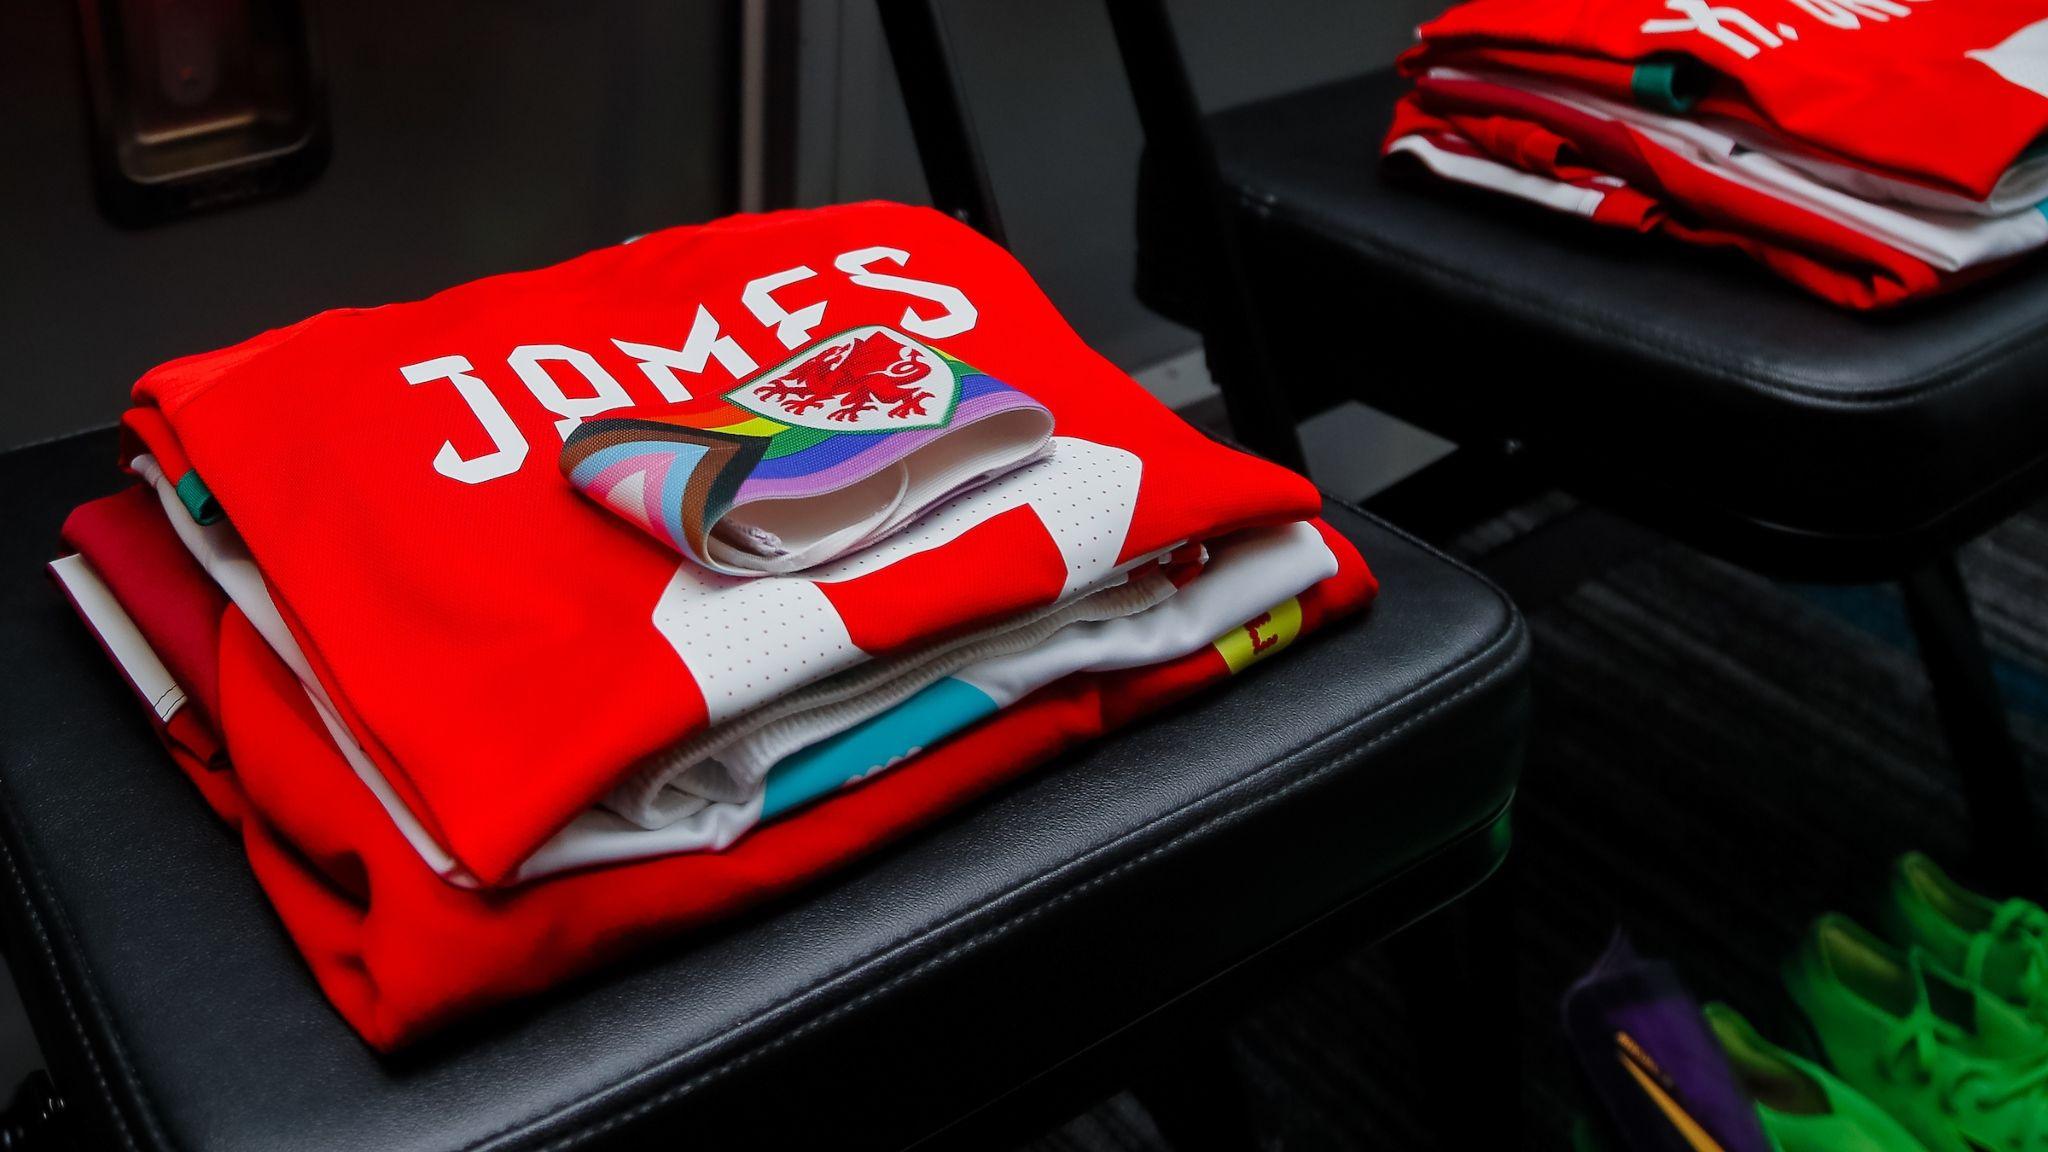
664 367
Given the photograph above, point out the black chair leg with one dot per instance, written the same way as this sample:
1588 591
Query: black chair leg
2006 831
1170 110
1459 971
1194 1094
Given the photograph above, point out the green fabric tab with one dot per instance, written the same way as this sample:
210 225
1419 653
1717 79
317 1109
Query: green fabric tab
793 440
1658 84
198 499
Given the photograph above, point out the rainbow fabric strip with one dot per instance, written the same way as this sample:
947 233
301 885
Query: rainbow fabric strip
839 420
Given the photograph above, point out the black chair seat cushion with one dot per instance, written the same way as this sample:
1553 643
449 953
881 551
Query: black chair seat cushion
1672 381
878 1006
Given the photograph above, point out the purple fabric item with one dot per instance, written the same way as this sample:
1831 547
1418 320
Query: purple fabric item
769 480
1627 1010
847 409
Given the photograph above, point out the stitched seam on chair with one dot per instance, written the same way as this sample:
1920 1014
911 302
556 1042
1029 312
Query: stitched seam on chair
1510 636
1510 632
1418 542
1270 206
16 870
1025 917
1929 523
1506 637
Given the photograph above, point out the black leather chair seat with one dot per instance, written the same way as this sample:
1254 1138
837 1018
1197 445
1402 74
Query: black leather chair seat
1716 400
880 1006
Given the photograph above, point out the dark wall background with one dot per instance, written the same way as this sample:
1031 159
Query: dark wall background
470 137
478 136
1062 136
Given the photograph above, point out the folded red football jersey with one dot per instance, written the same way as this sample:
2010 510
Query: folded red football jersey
1624 176
503 647
400 951
179 724
1948 94
151 575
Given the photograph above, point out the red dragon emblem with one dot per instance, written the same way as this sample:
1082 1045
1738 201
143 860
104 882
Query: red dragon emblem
876 369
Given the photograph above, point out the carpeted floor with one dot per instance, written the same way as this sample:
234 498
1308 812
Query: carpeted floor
1716 758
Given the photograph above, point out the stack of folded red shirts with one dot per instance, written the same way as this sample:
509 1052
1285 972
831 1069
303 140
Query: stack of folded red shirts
565 610
1871 151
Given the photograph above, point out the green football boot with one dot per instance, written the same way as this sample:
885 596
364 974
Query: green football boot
2000 946
1956 1066
1804 1107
